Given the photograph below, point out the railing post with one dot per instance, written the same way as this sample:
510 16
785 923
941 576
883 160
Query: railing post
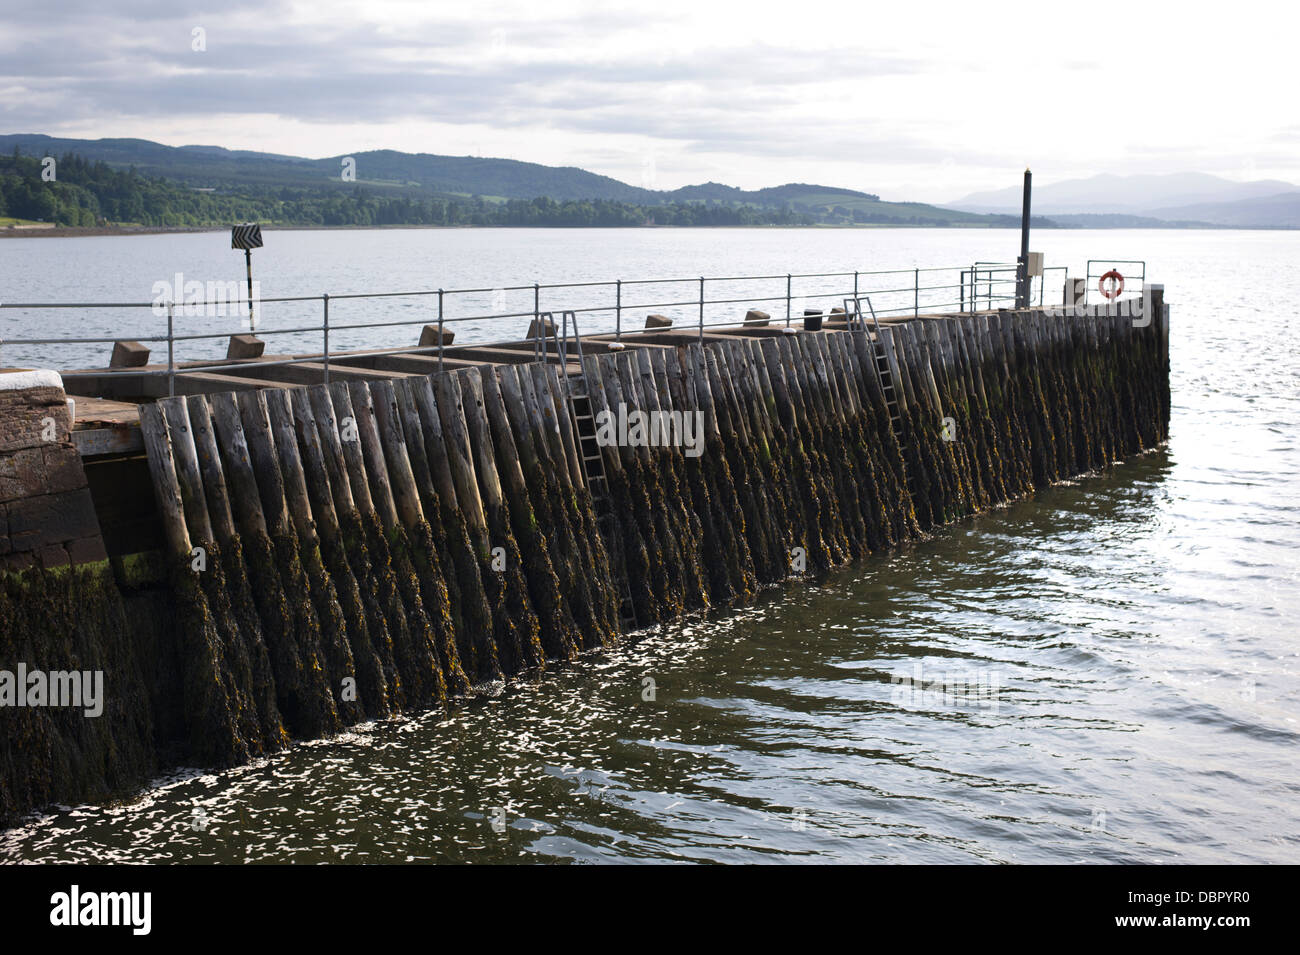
171 354
701 310
440 331
855 285
618 310
325 328
538 346
916 292
787 300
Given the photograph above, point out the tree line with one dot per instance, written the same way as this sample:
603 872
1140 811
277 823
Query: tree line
74 191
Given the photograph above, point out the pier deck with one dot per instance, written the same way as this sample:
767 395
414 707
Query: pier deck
107 419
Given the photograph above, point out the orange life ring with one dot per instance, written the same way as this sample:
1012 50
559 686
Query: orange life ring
1116 290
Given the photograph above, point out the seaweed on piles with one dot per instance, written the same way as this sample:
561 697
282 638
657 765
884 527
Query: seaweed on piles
581 569
689 531
722 590
960 471
1038 415
516 629
471 610
333 649
348 561
415 647
811 494
558 634
72 619
716 504
671 536
1019 445
767 557
769 480
245 668
870 475
820 497
292 630
393 625
974 437
591 569
427 544
1060 418
652 597
1002 463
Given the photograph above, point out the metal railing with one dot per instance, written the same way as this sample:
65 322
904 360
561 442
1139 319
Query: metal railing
1134 281
700 303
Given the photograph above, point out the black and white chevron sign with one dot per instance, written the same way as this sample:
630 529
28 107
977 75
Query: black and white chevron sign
247 236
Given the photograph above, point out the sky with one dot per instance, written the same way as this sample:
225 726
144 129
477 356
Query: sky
912 101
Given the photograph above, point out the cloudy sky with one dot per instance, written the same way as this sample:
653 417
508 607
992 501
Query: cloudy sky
924 101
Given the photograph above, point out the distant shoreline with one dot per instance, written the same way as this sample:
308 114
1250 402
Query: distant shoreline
65 232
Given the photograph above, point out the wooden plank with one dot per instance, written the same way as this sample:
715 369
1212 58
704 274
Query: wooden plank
100 442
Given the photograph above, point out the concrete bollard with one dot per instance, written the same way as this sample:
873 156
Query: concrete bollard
128 354
545 324
658 321
756 317
243 347
431 337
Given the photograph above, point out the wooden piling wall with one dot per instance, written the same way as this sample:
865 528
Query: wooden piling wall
368 548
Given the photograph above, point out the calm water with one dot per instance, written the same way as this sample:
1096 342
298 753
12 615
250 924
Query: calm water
1120 654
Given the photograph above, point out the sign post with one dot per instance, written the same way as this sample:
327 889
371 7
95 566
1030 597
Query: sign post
247 237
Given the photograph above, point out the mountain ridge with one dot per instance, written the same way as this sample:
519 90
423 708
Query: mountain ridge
1166 196
395 173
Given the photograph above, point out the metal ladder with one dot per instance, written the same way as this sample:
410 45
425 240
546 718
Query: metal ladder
886 378
853 306
593 463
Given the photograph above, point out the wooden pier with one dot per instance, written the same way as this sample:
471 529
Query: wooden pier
297 556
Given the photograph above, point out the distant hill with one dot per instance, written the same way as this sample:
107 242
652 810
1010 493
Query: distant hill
1280 211
421 176
1171 196
1121 220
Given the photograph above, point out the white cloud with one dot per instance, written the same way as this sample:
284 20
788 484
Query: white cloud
913 101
